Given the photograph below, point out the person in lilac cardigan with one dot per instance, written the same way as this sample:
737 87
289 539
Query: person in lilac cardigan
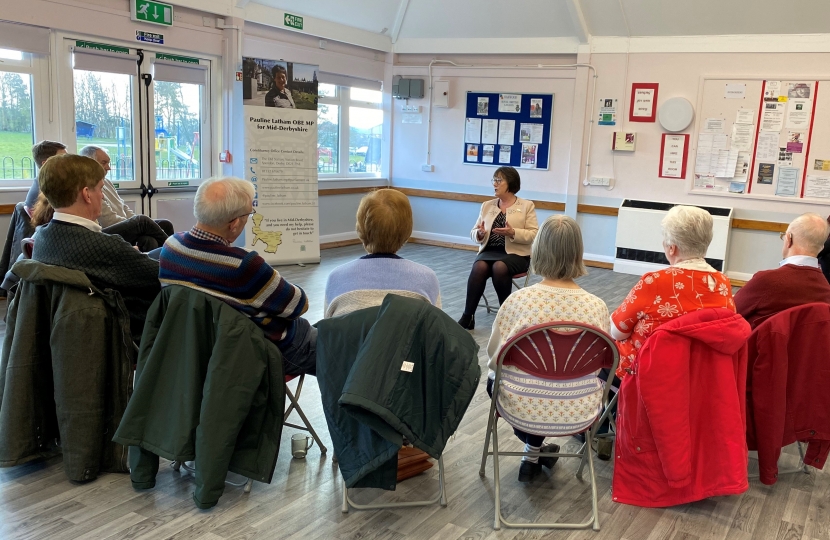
384 224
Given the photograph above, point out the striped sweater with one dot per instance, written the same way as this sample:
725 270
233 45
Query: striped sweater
207 263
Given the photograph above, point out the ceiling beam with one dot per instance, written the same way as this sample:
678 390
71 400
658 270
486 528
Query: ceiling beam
396 28
578 19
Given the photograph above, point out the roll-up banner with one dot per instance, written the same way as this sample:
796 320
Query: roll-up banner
280 107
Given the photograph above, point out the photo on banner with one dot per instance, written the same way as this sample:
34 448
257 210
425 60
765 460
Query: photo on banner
280 117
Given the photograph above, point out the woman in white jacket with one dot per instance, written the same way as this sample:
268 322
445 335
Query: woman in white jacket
505 230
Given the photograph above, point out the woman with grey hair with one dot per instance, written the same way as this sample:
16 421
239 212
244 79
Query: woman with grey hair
688 284
556 255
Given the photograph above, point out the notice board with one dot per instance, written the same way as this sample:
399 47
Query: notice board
766 138
503 128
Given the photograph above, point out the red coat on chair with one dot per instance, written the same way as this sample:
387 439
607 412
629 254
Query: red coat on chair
787 396
682 413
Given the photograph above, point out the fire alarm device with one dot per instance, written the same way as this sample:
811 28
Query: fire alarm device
225 157
623 141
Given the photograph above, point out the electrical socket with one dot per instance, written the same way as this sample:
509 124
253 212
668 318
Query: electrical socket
599 181
428 168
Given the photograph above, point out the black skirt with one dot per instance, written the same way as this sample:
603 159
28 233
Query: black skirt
516 264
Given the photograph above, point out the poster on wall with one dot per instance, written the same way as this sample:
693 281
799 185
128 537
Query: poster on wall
643 102
280 107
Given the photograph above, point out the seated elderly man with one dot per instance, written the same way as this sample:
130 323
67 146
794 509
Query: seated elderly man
798 279
73 185
118 218
384 224
204 259
688 284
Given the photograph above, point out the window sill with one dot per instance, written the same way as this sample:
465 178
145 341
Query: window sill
345 182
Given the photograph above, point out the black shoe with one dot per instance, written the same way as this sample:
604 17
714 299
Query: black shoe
549 462
467 322
528 471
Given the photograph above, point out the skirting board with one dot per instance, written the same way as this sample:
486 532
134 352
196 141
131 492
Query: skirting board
329 241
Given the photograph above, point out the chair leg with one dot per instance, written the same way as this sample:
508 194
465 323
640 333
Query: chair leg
345 507
594 497
496 476
442 483
584 450
487 438
308 426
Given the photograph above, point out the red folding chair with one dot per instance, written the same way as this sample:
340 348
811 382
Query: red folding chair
557 351
294 398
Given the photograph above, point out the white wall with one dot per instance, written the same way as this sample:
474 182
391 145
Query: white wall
636 175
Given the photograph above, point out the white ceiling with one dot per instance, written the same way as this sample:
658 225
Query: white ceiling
466 19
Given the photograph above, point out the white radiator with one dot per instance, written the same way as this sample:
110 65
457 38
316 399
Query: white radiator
639 245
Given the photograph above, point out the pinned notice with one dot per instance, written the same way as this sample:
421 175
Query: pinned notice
735 91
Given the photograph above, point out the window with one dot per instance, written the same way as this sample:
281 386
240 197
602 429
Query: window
16 117
178 130
350 131
104 118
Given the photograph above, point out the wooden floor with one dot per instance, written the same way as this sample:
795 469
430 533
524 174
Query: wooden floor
37 501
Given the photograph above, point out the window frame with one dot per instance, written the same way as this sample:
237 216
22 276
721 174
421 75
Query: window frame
342 99
37 67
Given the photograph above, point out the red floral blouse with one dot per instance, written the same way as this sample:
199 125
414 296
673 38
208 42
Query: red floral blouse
664 295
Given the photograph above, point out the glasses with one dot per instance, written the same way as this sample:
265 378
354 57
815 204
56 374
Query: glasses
782 235
496 180
243 216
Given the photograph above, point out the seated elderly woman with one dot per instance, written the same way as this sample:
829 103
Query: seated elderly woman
384 224
556 255
689 284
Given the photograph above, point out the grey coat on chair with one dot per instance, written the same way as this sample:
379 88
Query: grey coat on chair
65 371
20 227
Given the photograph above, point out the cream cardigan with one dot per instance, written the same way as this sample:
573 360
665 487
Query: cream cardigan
521 216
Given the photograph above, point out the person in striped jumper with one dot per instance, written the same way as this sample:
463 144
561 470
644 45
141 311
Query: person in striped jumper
384 224
204 259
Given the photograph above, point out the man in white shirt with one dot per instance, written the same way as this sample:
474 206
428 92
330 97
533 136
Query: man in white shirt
115 211
73 185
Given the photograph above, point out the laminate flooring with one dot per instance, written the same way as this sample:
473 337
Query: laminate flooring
303 502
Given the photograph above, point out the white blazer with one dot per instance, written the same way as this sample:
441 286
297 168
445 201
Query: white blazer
521 216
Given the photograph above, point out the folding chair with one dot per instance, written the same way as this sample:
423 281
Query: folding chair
559 351
515 279
440 497
246 485
294 398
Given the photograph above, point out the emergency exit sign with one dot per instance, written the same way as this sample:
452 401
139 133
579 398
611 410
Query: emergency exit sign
151 12
293 21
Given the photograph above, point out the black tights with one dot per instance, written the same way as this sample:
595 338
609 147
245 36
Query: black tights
482 270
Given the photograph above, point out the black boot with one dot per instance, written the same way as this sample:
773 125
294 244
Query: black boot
468 322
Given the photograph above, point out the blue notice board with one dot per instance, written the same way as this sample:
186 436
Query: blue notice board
530 141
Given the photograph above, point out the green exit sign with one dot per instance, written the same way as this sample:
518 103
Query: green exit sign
178 184
151 12
293 21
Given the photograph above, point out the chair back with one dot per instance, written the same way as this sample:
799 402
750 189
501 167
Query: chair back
560 350
570 352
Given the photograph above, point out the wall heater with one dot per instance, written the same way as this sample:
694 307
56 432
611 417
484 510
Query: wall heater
639 245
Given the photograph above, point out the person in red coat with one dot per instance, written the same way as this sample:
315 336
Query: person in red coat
796 282
682 413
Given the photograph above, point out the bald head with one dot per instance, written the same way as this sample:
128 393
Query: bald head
806 235
220 200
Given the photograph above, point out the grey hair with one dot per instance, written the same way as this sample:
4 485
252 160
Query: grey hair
90 150
557 249
220 200
689 228
809 231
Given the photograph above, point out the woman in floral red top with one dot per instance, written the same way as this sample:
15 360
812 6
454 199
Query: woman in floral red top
689 284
